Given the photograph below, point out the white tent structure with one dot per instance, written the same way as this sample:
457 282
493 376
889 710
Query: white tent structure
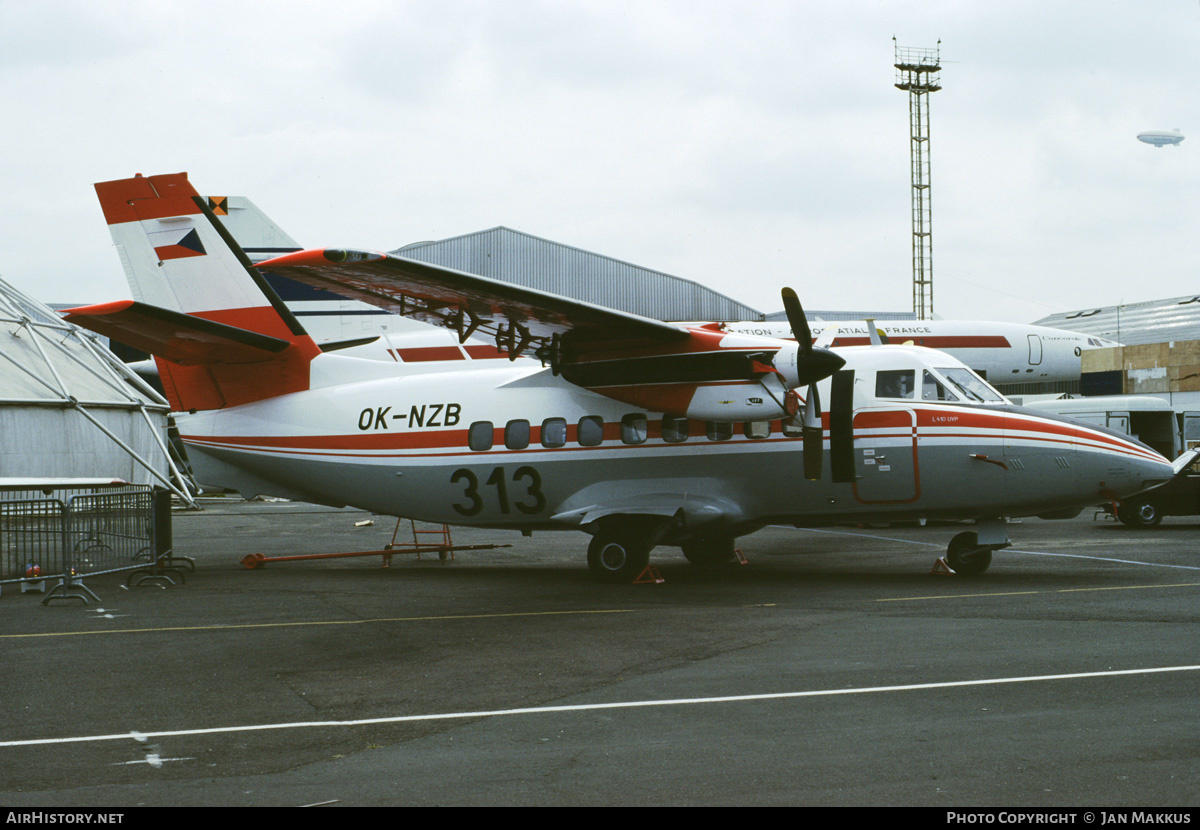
70 409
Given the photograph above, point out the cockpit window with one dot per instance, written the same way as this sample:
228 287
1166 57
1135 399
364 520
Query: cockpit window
896 383
933 390
970 386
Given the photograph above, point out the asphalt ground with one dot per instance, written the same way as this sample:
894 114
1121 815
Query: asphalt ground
832 669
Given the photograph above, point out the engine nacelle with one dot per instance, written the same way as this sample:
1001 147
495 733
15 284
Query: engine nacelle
799 369
766 401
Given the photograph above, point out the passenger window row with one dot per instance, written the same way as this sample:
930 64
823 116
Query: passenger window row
589 432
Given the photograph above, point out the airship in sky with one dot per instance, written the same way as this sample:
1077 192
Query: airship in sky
1161 138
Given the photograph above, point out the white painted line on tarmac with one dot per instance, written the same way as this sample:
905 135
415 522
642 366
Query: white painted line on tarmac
593 707
1103 559
1007 550
155 762
870 536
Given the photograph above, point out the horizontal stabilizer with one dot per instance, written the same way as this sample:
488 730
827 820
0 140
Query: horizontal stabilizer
180 338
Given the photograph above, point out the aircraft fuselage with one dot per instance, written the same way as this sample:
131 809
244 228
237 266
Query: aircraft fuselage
515 446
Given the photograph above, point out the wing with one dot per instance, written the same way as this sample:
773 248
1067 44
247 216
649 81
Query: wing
696 372
522 320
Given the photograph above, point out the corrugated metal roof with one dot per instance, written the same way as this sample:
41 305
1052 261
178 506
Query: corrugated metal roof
521 258
1154 321
46 360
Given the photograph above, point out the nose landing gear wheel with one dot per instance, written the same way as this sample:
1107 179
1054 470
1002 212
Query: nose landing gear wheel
1144 514
617 559
966 556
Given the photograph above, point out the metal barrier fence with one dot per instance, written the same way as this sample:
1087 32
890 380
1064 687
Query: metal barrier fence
74 534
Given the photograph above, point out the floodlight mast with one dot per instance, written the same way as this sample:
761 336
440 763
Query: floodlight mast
917 74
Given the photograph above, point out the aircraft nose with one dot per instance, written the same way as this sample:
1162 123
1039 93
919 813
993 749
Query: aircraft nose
1157 473
1141 474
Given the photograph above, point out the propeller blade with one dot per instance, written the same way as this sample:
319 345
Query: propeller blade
797 320
813 435
841 427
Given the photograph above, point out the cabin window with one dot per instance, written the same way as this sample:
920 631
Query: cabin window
479 436
933 390
591 430
896 383
516 435
757 429
554 432
971 387
792 427
718 430
674 430
634 428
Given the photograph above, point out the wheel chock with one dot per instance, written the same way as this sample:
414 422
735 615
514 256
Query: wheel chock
741 557
648 576
942 568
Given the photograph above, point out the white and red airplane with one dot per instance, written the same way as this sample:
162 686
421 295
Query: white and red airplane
636 431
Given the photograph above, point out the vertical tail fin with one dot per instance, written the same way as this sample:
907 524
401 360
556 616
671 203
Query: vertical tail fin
256 233
178 256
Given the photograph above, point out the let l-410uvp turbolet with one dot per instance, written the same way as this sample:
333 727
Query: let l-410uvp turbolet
636 431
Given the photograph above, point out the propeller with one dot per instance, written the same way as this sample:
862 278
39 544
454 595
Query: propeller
812 365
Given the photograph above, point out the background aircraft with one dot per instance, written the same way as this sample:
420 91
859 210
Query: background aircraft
1001 352
635 431
1161 138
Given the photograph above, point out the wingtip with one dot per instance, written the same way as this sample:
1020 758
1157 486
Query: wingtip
97 310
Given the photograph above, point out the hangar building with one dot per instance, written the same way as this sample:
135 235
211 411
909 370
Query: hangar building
1154 321
513 256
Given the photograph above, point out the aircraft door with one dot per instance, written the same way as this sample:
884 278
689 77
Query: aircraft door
1191 430
885 457
1035 350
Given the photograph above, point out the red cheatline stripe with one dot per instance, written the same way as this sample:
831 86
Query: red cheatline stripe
457 439
429 354
1017 427
943 341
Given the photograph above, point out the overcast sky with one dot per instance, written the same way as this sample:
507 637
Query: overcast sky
745 146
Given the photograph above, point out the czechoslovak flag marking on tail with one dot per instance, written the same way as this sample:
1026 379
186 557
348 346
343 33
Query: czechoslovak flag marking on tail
177 243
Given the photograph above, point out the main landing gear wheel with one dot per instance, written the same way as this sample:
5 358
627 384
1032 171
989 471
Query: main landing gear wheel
616 558
1139 514
708 553
966 556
